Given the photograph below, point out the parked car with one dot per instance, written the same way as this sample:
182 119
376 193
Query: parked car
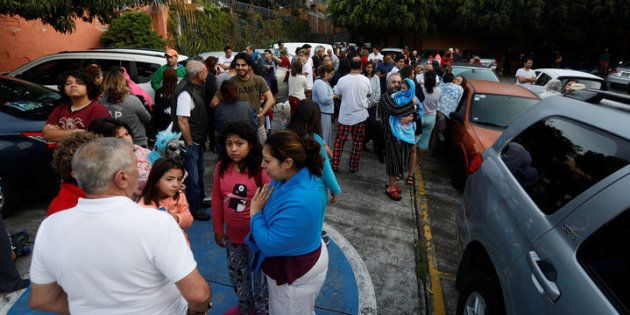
546 212
591 81
140 64
25 171
392 51
620 75
487 57
474 72
485 110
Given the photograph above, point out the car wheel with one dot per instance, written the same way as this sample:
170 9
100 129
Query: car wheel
8 198
458 172
480 295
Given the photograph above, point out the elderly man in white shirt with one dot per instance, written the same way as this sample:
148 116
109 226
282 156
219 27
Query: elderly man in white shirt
108 255
354 89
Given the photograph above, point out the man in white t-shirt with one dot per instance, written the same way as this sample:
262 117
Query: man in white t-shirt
226 59
108 255
525 76
375 56
354 90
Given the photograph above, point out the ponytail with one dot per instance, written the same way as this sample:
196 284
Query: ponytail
314 161
303 152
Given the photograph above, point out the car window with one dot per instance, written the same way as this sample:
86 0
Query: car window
26 100
47 73
590 84
605 258
476 74
145 71
543 79
498 110
108 64
556 159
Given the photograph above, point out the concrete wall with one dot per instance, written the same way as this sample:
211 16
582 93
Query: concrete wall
23 41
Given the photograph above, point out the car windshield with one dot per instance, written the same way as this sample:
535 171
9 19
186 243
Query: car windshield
26 100
476 74
498 110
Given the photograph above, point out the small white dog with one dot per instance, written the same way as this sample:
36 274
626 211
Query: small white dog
283 110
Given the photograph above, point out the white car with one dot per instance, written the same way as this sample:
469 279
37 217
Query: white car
565 75
140 64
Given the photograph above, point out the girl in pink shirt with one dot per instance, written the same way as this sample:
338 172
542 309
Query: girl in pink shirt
162 191
237 176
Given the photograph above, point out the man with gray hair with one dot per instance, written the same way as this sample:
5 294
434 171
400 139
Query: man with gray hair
108 255
192 120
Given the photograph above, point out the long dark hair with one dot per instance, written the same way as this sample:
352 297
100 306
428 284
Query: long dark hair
169 82
373 69
150 193
246 132
306 120
303 152
93 90
429 81
108 127
229 90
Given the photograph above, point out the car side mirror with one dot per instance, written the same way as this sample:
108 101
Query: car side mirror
456 116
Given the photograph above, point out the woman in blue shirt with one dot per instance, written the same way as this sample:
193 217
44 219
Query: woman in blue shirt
323 96
306 123
285 224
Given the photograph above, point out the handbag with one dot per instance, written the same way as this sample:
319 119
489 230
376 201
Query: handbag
262 133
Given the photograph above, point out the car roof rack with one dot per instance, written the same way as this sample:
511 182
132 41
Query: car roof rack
606 98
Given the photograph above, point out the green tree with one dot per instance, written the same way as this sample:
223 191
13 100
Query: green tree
379 17
132 30
60 14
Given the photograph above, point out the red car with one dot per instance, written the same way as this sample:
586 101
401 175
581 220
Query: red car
484 111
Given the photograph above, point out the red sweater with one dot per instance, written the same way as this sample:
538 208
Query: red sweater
231 197
67 198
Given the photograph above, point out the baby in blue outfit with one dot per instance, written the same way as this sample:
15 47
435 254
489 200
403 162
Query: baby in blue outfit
406 94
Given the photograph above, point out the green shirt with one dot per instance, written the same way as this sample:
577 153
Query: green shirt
156 81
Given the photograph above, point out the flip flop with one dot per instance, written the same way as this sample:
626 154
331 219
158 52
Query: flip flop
393 194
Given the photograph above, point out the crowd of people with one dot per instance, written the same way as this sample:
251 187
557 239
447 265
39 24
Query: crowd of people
125 208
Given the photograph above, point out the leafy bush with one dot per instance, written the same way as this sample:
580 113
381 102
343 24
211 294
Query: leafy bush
132 30
214 28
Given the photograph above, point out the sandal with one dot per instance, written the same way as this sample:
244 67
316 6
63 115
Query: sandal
409 180
394 194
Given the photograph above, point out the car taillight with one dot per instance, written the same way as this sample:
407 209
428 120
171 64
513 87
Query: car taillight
475 164
39 136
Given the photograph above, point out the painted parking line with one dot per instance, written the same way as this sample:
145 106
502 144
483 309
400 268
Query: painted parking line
437 294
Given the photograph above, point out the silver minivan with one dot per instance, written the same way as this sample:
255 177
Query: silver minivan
546 214
140 64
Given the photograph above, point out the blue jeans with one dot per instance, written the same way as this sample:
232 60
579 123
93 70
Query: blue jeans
194 181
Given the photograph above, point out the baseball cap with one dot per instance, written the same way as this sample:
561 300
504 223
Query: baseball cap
171 52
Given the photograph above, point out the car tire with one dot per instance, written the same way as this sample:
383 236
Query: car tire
480 294
8 198
458 172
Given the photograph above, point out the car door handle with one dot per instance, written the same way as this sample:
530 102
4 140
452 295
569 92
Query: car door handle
549 287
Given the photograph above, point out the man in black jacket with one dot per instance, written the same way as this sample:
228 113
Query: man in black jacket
192 120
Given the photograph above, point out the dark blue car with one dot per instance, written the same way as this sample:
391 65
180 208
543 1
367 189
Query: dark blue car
25 171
